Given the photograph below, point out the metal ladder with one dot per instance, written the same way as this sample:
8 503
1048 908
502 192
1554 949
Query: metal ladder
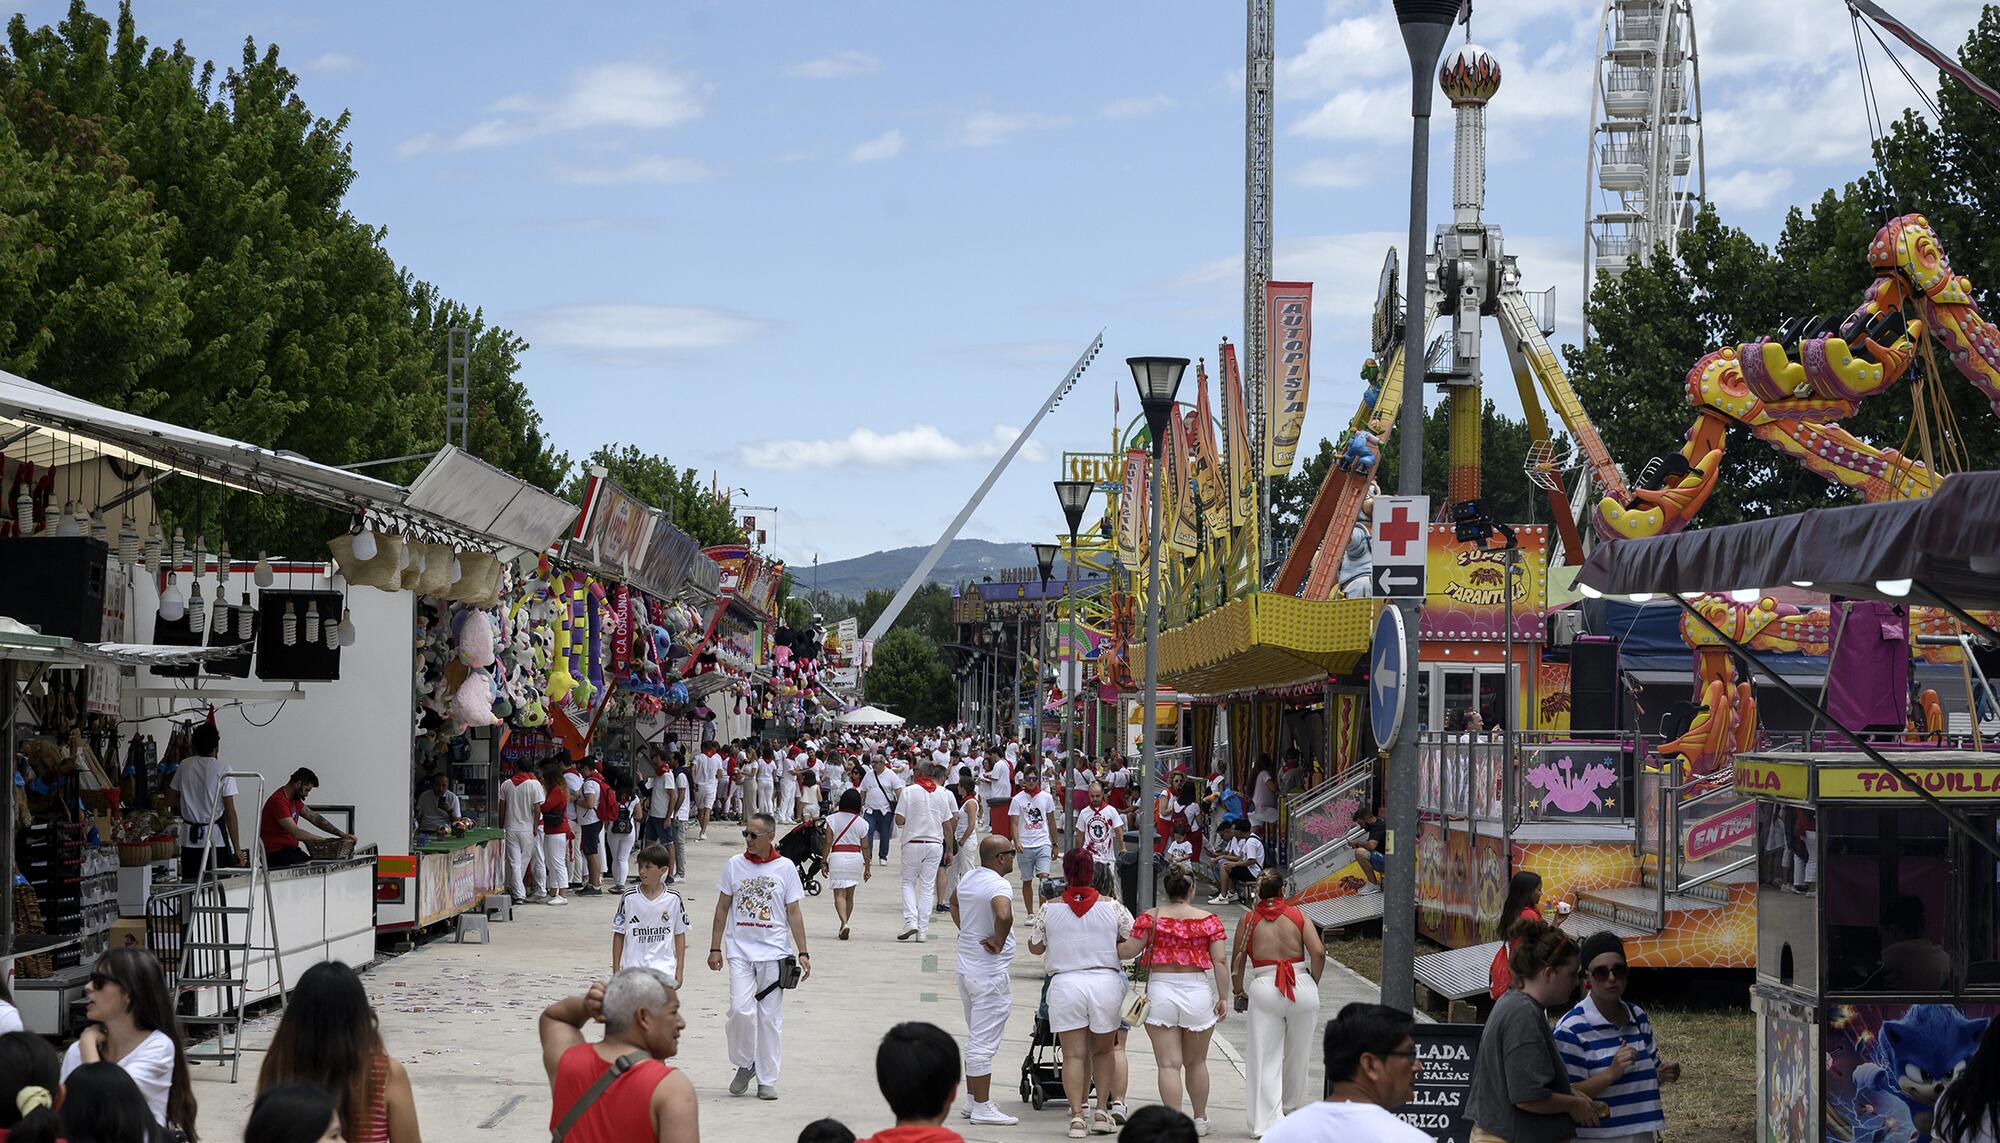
211 957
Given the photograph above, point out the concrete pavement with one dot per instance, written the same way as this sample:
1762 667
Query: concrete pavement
461 1017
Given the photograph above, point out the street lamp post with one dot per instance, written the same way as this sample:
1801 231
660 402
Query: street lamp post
1045 563
1425 25
1158 380
1075 497
993 629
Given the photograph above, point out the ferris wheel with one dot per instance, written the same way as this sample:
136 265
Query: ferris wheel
1646 174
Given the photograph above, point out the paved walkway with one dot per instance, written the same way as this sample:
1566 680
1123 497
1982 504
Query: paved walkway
462 1019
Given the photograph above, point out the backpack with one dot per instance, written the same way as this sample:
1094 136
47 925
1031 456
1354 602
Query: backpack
1232 805
607 800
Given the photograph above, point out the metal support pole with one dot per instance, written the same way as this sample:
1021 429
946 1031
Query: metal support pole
1423 39
1149 746
1014 689
1069 693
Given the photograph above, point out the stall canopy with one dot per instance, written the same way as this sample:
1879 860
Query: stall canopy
869 716
51 428
1942 550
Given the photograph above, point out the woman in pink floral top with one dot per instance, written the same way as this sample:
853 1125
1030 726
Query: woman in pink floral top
1184 958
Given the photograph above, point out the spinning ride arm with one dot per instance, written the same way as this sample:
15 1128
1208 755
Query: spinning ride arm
1791 389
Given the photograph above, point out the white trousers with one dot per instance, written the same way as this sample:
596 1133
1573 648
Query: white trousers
920 866
988 998
1281 1047
767 799
555 856
620 845
524 859
754 1024
732 797
788 800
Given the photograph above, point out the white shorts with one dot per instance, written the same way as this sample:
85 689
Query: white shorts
704 795
1181 1000
1088 999
843 870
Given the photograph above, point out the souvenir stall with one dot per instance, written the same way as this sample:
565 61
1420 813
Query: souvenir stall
1874 857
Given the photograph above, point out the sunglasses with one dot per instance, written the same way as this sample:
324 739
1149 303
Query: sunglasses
1007 853
98 980
1605 972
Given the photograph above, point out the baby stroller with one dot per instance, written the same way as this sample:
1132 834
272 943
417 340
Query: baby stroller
1041 1070
801 847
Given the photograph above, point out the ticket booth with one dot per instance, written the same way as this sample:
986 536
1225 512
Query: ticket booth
1878 946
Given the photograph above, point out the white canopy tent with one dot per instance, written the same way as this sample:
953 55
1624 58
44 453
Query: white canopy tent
870 716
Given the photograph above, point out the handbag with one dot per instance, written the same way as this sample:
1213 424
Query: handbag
618 1068
1137 1004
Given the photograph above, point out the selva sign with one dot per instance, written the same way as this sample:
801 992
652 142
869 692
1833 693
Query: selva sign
1444 1079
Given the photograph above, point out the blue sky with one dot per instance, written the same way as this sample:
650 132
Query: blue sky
835 252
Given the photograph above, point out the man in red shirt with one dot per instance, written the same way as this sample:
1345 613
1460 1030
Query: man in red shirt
917 1069
278 828
647 1099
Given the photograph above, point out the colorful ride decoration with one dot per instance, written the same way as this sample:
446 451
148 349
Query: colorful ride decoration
1790 390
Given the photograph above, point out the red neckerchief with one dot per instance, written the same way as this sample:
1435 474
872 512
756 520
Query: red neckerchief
1079 898
928 783
1287 976
756 860
519 778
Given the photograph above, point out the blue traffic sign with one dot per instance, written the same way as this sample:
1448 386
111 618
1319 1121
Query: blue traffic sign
1388 677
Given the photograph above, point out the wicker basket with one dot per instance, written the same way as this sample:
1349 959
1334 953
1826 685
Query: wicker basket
164 847
133 854
28 919
330 849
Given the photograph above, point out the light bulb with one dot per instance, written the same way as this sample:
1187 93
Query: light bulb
423 560
128 543
66 523
1588 592
337 583
289 628
222 568
263 573
197 609
173 602
346 628
311 629
99 530
364 545
330 630
1895 588
1804 583
24 510
246 619
1641 597
154 545
403 555
180 548
1747 594
457 569
220 628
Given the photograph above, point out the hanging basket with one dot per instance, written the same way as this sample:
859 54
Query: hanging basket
381 572
478 581
435 578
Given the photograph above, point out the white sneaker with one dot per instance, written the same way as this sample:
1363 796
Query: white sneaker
1201 1127
1219 899
986 1113
922 937
559 900
1369 891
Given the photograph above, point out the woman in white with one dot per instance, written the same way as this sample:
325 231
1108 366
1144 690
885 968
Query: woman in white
1083 940
765 773
1185 949
1273 938
846 855
1264 796
788 785
132 1024
965 835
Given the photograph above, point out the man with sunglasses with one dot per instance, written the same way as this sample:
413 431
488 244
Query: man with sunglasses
758 923
982 906
1607 1047
1371 1066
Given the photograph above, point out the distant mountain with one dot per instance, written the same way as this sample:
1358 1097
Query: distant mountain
964 560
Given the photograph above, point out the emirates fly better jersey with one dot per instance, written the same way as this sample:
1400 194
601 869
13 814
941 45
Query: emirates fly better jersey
649 925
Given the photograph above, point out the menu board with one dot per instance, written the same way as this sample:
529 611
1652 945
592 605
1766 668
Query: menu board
1444 1081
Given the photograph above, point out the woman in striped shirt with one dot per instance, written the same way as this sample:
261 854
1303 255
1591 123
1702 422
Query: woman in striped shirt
1607 1047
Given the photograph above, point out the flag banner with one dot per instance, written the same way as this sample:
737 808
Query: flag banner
1132 509
1185 539
1239 468
1287 370
1200 428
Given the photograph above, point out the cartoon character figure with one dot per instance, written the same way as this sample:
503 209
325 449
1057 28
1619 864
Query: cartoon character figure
1920 1054
1361 451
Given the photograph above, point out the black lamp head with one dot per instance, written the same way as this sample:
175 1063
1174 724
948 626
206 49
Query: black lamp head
1075 497
1158 380
1045 562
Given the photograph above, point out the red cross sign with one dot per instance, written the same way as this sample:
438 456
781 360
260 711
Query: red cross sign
1401 529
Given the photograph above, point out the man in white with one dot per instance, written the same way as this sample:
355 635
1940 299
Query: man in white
879 788
1100 828
788 784
207 805
982 905
707 772
758 924
1371 1066
924 812
573 782
996 789
1241 862
1030 814
521 798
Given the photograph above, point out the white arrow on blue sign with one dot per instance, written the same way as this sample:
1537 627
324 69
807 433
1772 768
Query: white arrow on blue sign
1388 677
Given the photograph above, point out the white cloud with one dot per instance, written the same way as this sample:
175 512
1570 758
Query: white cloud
987 128
1360 47
839 65
1134 106
1372 114
1749 190
887 145
634 327
609 97
330 62
869 448
663 170
1352 171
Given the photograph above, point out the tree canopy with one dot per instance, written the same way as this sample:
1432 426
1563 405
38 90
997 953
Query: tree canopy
910 678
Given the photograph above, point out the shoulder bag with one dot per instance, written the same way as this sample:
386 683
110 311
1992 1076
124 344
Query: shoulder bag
618 1068
1137 1004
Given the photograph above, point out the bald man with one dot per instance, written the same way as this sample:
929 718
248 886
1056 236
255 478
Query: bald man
982 905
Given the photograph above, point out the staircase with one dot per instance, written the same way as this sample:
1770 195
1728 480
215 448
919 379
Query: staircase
1704 845
215 948
1318 841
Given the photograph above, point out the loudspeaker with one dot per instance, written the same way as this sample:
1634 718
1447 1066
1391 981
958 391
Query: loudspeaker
1593 684
301 660
56 584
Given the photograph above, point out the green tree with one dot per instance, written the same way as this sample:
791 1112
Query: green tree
911 679
676 491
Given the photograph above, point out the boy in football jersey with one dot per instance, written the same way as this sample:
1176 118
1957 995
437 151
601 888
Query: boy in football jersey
650 927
